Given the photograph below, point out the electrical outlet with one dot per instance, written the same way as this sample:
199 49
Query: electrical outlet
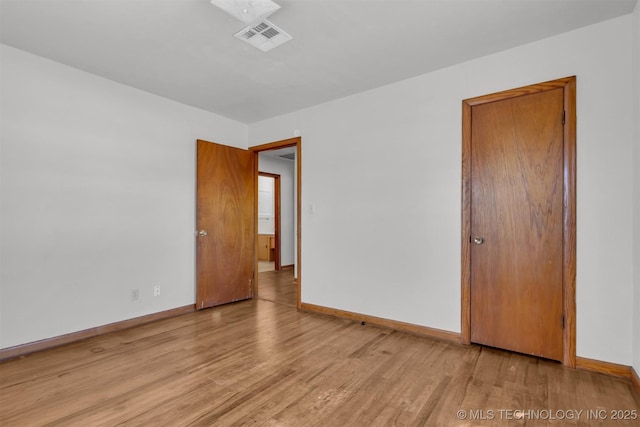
135 294
156 291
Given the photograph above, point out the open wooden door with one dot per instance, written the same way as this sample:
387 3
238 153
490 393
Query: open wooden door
226 236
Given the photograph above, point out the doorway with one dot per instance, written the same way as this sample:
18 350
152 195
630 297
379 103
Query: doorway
280 160
269 237
518 220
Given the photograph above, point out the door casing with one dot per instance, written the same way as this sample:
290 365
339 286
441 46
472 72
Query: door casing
568 84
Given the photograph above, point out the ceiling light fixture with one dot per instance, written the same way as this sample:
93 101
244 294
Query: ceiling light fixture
247 11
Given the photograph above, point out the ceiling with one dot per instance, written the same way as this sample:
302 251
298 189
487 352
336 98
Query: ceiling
279 152
185 50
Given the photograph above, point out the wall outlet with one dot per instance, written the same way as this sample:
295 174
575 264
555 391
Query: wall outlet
156 290
135 294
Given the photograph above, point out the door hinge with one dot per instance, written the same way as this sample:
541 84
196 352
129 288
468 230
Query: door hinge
564 114
563 321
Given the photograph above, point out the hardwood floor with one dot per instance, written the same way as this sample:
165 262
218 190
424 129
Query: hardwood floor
266 266
263 363
278 286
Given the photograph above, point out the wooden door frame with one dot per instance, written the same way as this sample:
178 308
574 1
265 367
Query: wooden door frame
276 215
291 142
568 84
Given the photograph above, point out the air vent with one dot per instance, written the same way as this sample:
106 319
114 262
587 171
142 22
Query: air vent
264 35
270 33
290 156
249 34
261 27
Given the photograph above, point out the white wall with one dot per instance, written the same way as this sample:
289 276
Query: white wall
383 171
266 208
98 195
636 215
284 168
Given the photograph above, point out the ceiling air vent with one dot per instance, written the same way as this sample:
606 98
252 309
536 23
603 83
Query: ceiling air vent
263 35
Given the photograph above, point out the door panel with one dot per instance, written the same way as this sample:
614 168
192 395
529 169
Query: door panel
517 209
225 209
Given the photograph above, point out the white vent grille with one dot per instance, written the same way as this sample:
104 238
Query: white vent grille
260 27
249 34
270 33
263 35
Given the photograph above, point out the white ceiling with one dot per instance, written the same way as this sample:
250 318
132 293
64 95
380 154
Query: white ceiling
185 50
278 152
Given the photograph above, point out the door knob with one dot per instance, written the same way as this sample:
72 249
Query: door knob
202 233
478 240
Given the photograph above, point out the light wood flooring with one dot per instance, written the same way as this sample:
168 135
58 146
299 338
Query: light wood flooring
264 363
278 286
266 266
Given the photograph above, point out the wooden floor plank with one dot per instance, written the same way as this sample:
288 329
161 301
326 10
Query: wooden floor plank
262 362
278 286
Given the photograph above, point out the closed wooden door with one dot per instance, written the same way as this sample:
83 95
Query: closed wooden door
226 235
517 223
